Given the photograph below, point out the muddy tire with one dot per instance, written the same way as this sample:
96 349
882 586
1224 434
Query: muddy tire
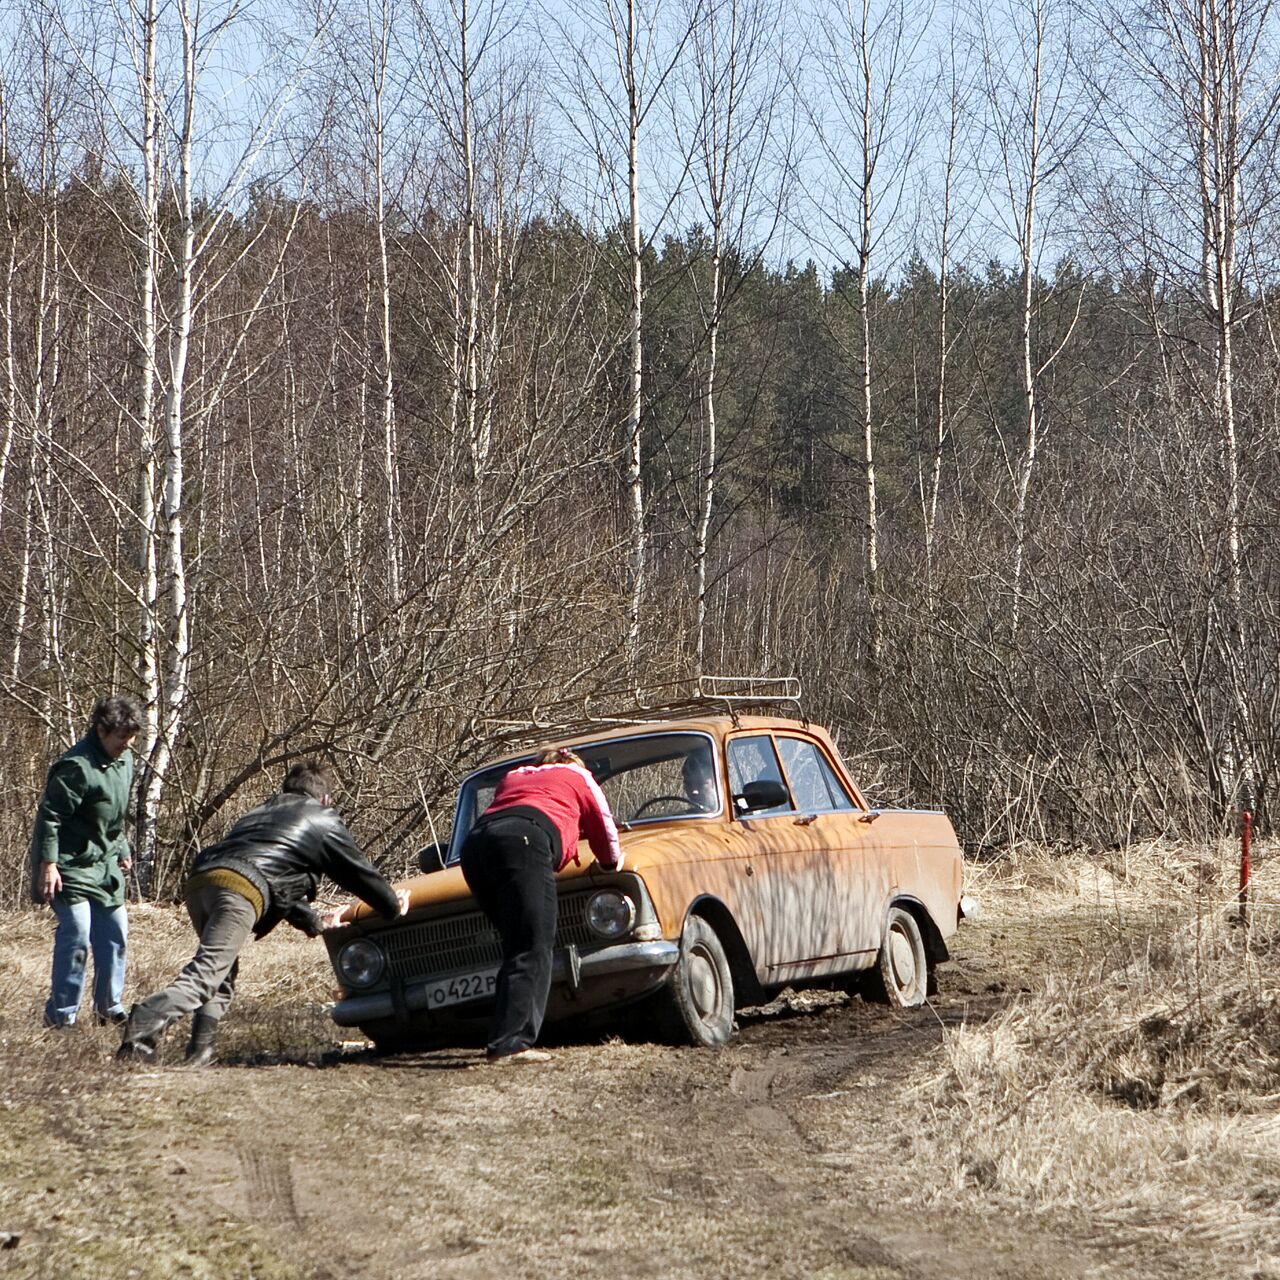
696 1005
901 974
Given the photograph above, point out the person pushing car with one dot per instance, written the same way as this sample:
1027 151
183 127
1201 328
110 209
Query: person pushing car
529 832
266 870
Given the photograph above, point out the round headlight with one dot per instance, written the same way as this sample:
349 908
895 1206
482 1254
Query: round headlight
611 914
361 962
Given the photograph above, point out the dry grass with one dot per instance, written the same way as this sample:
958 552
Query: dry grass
1140 1085
1127 1104
284 982
85 1188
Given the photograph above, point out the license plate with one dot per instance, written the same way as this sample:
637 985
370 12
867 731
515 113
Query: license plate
461 988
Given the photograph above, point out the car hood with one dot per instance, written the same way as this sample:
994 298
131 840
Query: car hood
654 844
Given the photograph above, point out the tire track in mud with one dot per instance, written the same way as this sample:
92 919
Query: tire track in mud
267 1179
755 1086
772 1092
795 1058
757 1114
808 1055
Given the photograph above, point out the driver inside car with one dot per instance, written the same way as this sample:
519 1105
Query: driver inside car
698 778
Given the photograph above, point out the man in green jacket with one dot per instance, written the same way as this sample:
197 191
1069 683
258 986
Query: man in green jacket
79 855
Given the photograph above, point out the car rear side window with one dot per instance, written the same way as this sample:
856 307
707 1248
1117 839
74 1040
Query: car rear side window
754 760
813 781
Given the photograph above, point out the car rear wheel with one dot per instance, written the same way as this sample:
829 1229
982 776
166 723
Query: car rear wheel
901 975
698 998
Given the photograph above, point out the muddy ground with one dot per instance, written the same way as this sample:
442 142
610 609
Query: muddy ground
786 1154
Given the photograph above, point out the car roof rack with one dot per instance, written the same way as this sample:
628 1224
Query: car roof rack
671 700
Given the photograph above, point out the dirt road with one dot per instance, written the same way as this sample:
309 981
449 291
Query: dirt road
787 1154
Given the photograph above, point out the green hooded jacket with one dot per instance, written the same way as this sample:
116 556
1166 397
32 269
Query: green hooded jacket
80 823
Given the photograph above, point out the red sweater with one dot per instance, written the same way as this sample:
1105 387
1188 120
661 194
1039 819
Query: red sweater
571 798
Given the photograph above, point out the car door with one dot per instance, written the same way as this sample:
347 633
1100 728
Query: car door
836 863
795 920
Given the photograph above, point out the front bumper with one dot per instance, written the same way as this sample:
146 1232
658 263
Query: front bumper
569 969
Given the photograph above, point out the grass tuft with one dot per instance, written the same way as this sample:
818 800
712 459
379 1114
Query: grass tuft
1142 1084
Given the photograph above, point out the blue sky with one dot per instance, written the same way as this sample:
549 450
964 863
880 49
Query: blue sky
266 77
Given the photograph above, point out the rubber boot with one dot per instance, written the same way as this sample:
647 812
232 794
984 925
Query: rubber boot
141 1034
204 1031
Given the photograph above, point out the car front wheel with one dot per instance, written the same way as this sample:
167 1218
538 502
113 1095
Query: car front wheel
902 969
699 994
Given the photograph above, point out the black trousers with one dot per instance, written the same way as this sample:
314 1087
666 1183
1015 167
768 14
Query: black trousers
509 864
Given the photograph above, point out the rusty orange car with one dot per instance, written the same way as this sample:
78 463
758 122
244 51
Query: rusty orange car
752 862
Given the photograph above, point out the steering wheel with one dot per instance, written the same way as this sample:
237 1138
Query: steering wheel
686 805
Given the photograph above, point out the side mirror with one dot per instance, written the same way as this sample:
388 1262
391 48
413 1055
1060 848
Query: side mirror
431 858
764 794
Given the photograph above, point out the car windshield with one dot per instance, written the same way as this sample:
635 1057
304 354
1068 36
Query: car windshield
649 778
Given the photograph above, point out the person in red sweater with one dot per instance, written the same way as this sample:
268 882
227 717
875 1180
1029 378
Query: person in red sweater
528 833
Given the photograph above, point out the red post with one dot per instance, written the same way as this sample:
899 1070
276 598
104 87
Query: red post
1246 840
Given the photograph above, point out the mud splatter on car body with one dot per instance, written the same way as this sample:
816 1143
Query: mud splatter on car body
753 861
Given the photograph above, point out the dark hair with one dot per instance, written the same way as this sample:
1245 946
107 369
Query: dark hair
307 778
698 770
116 711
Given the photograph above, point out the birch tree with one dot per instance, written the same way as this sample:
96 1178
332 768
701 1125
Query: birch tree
375 93
621 56
159 121
735 91
867 128
144 22
952 213
358 112
37 670
1036 119
11 213
471 79
1197 106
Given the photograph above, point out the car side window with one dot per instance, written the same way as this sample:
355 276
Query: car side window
813 781
754 760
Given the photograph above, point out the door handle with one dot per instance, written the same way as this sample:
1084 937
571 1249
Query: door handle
805 819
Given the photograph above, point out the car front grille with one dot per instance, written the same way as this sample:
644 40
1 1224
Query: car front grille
467 942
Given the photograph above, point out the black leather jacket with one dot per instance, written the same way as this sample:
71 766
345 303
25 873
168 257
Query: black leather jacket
283 847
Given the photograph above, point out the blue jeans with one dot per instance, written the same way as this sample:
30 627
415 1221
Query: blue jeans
84 927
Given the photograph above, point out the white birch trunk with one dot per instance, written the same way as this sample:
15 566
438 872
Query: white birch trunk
457 357
148 442
1027 258
709 457
942 349
379 41
1218 170
10 278
1221 137
476 427
49 353
24 571
177 640
631 443
864 250
38 559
